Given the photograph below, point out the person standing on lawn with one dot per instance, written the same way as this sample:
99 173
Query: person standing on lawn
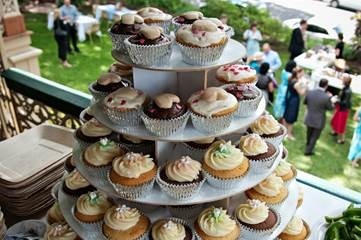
61 35
253 37
271 57
339 46
265 81
354 154
298 39
69 13
318 101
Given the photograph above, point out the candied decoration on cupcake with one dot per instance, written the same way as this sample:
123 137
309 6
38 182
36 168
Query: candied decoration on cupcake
129 24
91 132
54 214
60 231
123 222
90 207
215 223
285 170
271 190
173 228
296 229
75 184
236 73
153 15
268 128
256 219
102 153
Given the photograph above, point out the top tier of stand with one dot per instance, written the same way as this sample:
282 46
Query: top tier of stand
233 52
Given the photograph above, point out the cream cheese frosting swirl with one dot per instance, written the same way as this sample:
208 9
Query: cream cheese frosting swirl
92 203
253 145
271 186
102 153
122 217
283 168
60 231
215 222
75 181
253 212
223 156
235 72
132 165
182 170
294 227
93 128
265 124
54 213
125 98
168 230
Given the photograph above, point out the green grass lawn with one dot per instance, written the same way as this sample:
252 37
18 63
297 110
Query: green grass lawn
330 161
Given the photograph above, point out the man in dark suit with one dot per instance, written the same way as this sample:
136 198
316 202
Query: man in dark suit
297 44
318 101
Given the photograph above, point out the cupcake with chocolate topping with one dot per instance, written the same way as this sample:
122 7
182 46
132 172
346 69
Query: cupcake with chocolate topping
60 231
215 223
224 165
257 220
181 178
260 153
201 43
156 17
133 175
186 18
296 229
286 171
54 214
212 109
149 47
124 106
248 97
269 129
76 185
91 207
165 115
224 27
196 149
171 228
107 83
122 70
135 144
236 73
128 25
122 222
69 164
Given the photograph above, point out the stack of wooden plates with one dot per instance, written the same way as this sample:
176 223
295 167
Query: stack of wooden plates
30 164
2 226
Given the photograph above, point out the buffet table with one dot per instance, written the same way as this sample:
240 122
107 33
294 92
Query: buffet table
315 61
111 11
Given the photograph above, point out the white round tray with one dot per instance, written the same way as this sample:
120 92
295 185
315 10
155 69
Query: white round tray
233 52
98 178
94 232
188 134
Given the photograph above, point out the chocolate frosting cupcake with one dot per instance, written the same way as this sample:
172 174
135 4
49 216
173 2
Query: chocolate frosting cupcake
129 24
188 17
242 92
109 82
149 35
165 106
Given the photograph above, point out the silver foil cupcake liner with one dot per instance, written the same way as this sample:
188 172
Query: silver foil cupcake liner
201 55
164 24
132 192
179 192
224 183
194 153
277 206
126 119
150 55
278 139
230 32
118 41
211 124
262 165
100 95
256 234
163 128
180 221
188 212
177 25
288 182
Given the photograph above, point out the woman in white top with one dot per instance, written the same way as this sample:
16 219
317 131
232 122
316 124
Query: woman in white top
253 37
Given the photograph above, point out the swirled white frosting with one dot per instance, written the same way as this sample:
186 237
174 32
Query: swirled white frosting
121 217
215 222
271 186
132 165
102 153
294 227
184 169
223 156
125 98
253 145
235 72
253 212
283 168
60 231
265 124
154 14
92 203
168 230
93 128
75 181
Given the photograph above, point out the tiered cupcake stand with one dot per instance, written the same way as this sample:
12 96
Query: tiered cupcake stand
182 79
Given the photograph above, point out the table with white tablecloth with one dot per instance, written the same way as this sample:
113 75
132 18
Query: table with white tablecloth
315 61
111 10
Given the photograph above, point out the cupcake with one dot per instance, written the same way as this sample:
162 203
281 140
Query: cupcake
124 106
91 207
284 153
54 214
181 179
122 70
69 164
201 43
196 149
186 18
60 231
76 185
86 115
300 196
248 97
236 73
214 223
224 165
102 153
133 175
212 109
122 222
224 27
256 219
154 16
128 25
269 129
135 144
260 153
149 47
172 229
165 115
185 211
286 171
271 190
107 83
296 229
91 132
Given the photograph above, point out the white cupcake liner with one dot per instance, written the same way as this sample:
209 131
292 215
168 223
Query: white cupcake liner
262 165
163 128
254 234
180 221
126 119
230 32
278 139
188 212
86 225
194 153
132 192
163 24
118 41
100 95
177 25
223 183
149 55
211 124
179 192
201 55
